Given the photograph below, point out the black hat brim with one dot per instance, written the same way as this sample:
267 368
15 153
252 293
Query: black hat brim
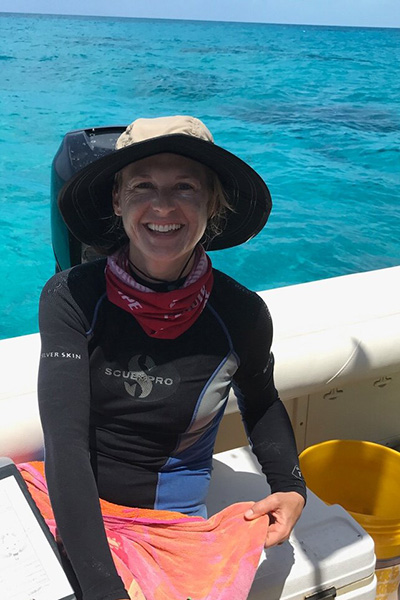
85 201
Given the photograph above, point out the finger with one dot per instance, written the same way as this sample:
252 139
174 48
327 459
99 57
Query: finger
275 538
259 509
249 511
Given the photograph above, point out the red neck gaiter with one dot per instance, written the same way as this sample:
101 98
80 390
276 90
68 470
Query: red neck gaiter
163 315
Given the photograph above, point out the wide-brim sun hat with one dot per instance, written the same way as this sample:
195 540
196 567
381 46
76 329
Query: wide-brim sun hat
85 201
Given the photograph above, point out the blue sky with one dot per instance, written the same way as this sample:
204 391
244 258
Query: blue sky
365 13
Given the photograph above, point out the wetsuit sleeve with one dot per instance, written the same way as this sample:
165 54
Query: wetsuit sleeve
265 418
64 403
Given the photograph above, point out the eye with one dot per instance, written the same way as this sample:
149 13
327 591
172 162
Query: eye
138 186
144 185
184 185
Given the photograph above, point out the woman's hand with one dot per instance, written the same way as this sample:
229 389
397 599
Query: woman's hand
284 510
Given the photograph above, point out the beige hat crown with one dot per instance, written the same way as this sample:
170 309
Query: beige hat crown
145 129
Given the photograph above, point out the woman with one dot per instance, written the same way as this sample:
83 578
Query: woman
139 352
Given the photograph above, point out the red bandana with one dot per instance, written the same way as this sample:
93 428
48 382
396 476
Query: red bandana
163 315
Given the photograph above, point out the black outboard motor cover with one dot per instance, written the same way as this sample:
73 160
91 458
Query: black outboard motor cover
77 150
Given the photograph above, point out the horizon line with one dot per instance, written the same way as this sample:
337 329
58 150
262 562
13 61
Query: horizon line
46 14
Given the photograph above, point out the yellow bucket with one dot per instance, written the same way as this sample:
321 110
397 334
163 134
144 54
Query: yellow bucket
364 478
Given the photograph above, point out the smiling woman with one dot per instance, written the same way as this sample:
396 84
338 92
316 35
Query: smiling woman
161 338
164 204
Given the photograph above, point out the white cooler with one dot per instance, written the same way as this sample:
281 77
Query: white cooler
328 555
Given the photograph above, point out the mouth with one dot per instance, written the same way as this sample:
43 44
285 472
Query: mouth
168 228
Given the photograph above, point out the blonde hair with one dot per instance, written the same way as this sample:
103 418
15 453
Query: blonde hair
218 206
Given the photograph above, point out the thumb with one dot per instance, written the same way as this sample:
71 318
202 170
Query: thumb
259 509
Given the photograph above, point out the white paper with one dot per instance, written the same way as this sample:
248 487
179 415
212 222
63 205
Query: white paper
29 568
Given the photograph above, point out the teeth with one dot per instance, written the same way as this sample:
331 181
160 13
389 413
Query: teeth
163 228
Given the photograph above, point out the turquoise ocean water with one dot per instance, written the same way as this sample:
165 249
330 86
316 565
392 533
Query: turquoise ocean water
316 110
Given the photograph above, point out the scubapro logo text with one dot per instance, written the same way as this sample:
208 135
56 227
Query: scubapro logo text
138 376
144 379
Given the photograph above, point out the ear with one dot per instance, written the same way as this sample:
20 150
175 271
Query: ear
116 202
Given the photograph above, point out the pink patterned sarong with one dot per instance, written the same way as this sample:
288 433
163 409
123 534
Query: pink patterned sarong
162 555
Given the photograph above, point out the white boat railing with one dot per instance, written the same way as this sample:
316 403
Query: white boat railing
337 350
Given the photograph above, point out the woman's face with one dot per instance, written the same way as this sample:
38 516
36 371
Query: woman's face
163 201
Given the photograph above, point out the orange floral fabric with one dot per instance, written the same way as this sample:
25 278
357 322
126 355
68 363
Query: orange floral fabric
162 555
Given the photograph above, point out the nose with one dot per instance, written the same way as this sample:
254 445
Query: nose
164 202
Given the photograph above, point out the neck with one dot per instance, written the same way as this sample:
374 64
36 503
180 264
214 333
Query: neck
159 273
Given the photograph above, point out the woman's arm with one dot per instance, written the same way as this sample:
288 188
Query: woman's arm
64 402
270 432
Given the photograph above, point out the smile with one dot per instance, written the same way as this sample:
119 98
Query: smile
164 228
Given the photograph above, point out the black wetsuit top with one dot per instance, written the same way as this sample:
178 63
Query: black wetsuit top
133 419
